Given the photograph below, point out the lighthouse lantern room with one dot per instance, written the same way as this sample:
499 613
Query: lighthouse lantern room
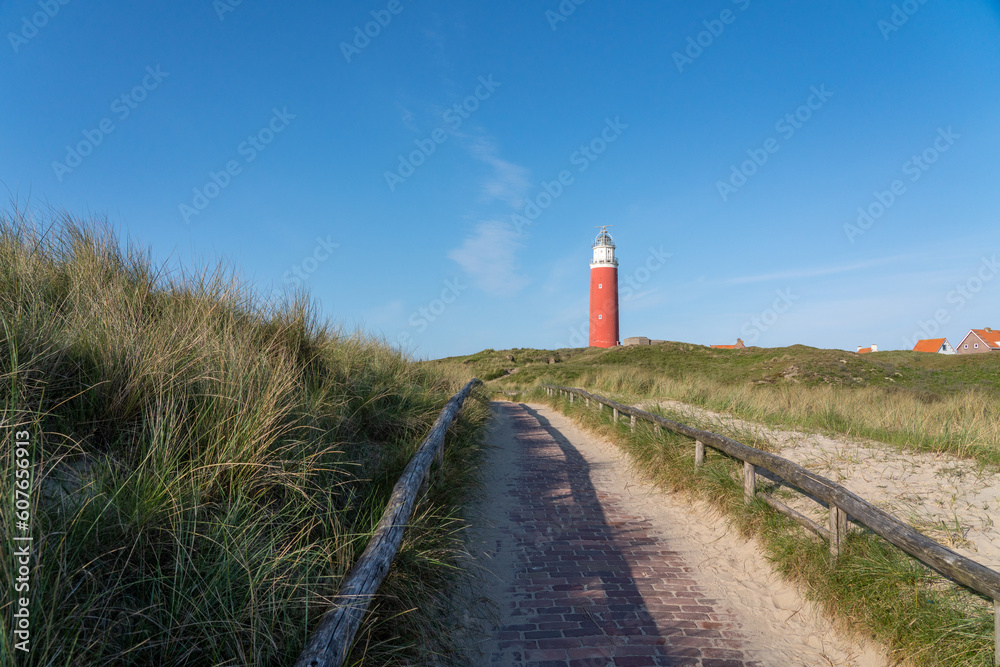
604 292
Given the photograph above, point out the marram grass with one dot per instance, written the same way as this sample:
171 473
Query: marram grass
207 464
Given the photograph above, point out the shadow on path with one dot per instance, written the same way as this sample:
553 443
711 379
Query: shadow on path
575 600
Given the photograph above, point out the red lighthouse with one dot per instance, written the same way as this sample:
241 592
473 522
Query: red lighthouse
604 292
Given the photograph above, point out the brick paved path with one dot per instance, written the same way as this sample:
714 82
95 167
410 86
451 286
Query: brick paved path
593 586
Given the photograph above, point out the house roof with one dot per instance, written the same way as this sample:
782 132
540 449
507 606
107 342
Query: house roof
864 350
724 347
991 337
929 345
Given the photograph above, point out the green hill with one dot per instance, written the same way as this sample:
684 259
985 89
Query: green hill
911 399
928 375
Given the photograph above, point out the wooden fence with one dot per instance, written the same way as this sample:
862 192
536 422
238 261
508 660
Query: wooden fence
331 641
841 502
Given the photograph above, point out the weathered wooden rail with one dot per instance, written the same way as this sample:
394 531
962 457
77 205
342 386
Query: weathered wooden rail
331 641
841 502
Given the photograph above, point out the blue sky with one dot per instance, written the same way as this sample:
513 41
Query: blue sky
730 143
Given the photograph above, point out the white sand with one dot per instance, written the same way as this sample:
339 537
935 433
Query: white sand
949 499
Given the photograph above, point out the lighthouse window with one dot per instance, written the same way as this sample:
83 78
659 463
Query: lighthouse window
600 317
600 285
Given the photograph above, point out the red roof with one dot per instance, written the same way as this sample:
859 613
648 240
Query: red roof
929 345
991 337
724 347
864 350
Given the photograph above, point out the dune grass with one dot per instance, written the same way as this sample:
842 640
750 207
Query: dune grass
963 423
874 590
912 400
207 464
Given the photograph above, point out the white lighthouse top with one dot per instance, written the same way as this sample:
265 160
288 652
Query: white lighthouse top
604 249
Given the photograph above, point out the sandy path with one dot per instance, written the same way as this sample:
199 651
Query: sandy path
692 592
949 499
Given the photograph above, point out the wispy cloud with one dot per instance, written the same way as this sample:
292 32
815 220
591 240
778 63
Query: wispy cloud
489 254
793 274
407 118
488 257
508 182
639 300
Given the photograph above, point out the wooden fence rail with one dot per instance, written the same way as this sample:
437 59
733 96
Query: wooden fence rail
331 641
842 504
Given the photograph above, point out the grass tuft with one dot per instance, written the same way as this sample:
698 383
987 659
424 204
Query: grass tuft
208 464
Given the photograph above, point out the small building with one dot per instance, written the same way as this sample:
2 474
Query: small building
739 346
636 340
866 350
979 340
642 340
934 345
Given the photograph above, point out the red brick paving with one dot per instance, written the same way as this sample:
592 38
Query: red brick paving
594 586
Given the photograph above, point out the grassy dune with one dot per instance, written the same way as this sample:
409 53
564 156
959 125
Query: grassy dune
909 399
207 465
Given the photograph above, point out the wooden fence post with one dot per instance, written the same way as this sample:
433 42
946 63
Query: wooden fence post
657 430
600 407
587 401
838 529
615 415
631 423
571 397
699 453
749 482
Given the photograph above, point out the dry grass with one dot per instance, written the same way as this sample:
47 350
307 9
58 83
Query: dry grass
207 464
963 422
